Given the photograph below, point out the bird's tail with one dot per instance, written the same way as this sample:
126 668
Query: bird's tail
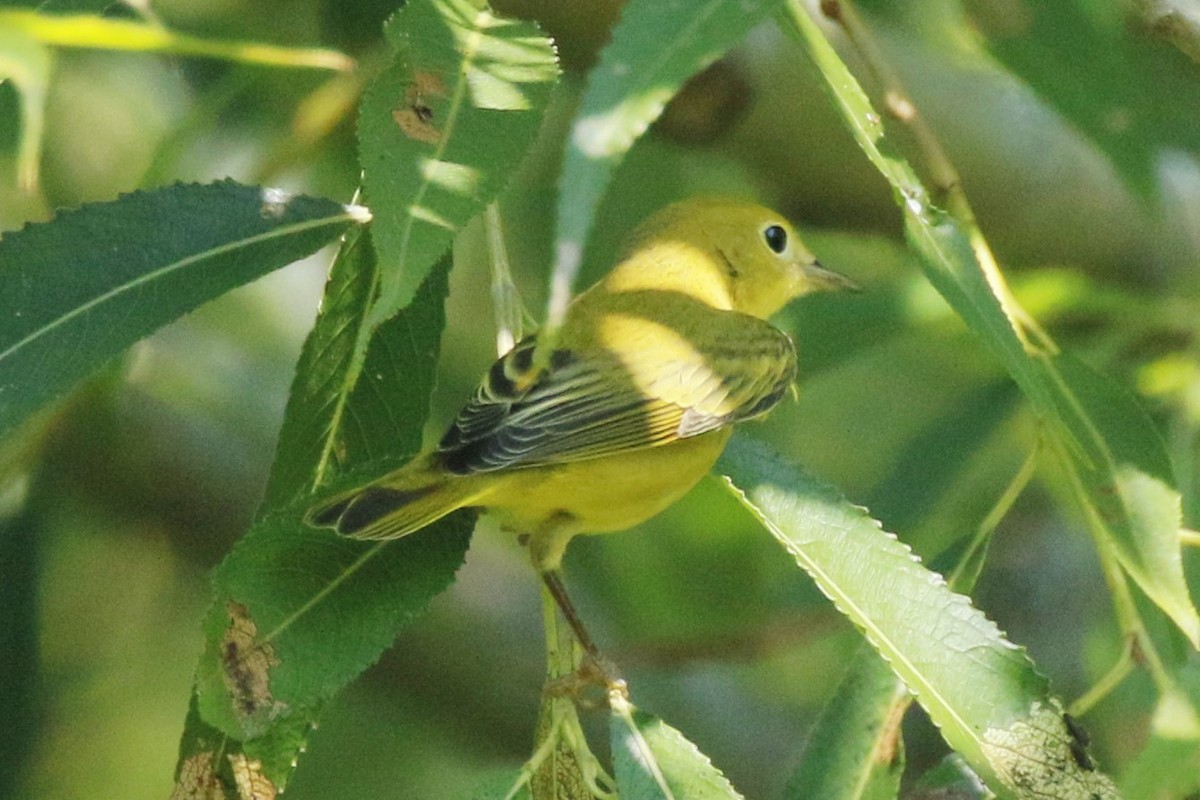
399 503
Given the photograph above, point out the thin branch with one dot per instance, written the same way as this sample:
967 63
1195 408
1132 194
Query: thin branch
944 177
1103 687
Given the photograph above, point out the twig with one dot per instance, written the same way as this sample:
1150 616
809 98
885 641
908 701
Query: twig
944 177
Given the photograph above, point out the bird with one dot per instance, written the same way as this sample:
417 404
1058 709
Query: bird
649 372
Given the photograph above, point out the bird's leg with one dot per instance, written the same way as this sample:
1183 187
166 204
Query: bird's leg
546 547
595 669
553 580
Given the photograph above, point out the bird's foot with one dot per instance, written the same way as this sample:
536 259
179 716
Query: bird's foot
591 686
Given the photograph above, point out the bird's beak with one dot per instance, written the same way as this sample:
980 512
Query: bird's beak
826 280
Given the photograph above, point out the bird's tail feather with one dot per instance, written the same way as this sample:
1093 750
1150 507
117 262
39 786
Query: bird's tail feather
398 504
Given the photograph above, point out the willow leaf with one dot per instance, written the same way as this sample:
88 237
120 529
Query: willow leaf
653 761
981 691
443 127
82 288
855 751
299 612
1117 490
655 48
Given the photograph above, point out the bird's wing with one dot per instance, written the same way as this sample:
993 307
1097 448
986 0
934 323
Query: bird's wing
596 403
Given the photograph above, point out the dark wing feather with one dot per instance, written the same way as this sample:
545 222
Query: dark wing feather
582 407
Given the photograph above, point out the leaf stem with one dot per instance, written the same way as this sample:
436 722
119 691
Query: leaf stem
959 578
1129 619
1141 647
506 300
1103 687
95 32
944 176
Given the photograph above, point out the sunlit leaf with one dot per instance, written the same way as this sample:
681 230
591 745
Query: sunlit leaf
983 693
653 761
84 287
443 127
1147 547
656 46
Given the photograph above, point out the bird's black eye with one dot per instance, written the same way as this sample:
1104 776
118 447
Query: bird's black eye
776 238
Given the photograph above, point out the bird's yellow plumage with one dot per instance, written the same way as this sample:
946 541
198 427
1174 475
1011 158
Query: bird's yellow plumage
651 368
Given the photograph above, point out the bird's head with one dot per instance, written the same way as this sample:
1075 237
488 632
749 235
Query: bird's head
749 253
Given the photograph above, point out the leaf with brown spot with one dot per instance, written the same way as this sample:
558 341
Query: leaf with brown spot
197 780
416 116
443 128
251 783
247 665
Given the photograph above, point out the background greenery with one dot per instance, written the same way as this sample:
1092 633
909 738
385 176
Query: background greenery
1075 132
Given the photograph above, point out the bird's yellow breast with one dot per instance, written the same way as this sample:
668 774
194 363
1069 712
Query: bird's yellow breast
600 495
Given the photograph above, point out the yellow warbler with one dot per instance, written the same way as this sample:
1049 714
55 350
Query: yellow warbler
651 368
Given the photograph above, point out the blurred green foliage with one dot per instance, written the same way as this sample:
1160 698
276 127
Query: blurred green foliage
139 484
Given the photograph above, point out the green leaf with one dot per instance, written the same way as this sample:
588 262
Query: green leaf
1169 765
215 767
300 612
855 751
1145 546
339 417
980 690
443 127
82 288
951 779
1133 96
656 46
1126 484
324 379
653 761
